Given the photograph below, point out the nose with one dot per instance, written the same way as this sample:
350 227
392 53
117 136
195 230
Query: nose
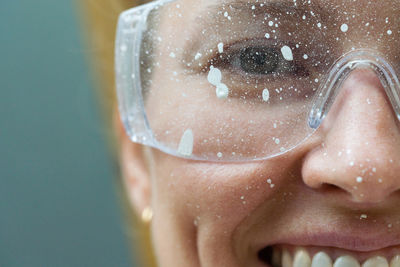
360 149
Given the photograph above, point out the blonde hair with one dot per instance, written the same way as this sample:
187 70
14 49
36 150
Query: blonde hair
99 18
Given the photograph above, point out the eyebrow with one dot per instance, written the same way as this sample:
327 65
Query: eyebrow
212 15
279 5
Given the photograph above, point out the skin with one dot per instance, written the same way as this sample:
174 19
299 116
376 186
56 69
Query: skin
222 214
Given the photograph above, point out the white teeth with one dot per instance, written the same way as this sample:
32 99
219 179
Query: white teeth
286 259
376 262
346 261
321 259
395 262
301 259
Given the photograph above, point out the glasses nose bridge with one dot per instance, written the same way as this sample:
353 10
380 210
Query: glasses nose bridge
341 70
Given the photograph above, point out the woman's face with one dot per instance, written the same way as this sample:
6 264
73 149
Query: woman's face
337 192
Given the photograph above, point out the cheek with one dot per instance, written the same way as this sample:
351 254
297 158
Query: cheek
218 195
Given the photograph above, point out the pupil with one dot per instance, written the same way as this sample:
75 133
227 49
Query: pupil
259 60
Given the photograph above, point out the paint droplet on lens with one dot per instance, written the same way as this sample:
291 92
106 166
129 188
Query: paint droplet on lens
220 47
214 76
287 53
222 91
265 94
186 144
344 27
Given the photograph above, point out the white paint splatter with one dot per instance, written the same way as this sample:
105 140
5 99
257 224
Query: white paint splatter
305 56
267 35
219 155
222 91
186 144
359 179
214 76
344 27
287 53
265 94
172 54
198 56
123 48
220 47
389 32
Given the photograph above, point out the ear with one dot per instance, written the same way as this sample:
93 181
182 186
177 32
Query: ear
134 168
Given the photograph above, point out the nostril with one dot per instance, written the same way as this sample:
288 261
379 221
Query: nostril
330 188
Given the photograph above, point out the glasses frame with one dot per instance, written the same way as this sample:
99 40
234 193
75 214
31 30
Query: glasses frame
133 22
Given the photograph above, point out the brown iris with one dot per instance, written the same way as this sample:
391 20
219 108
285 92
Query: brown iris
259 60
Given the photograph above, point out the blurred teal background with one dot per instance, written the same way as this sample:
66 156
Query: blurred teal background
58 204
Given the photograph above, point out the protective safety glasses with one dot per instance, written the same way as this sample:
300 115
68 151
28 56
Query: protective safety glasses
246 80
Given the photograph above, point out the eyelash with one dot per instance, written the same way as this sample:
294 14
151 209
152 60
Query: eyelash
230 60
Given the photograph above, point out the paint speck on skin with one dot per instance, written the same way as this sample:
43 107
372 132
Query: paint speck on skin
305 56
389 32
265 95
277 141
172 55
186 144
226 14
344 27
219 155
359 179
267 35
287 53
220 47
363 216
271 23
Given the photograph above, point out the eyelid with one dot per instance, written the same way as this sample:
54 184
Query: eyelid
229 59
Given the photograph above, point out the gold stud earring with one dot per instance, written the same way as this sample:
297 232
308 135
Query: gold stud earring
147 215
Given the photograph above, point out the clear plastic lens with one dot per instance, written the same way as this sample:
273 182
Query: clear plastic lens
238 80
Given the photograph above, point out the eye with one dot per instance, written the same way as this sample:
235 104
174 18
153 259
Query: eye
259 60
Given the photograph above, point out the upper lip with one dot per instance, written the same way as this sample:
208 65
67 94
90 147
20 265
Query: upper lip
348 239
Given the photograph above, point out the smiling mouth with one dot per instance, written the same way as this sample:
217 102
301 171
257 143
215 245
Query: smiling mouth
295 256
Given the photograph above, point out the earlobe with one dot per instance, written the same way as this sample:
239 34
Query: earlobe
134 170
